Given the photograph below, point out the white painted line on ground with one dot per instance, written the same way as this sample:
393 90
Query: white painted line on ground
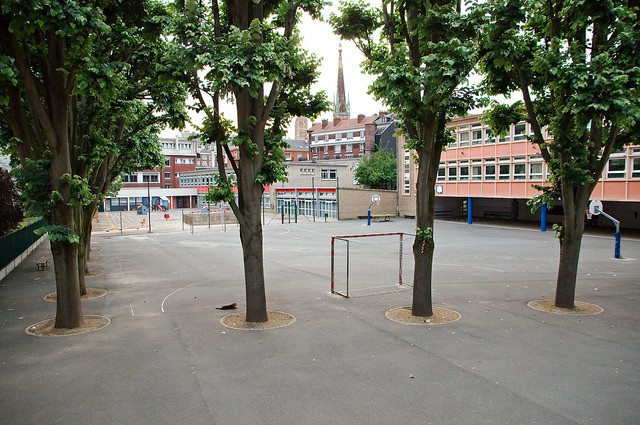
176 291
467 265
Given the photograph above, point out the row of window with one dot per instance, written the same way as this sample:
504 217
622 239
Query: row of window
338 136
192 181
516 168
473 135
338 148
146 178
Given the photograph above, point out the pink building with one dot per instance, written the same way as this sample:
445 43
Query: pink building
497 175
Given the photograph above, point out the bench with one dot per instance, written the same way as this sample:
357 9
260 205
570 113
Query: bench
383 217
42 263
497 214
443 213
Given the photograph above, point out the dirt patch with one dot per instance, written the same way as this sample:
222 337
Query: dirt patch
95 260
92 273
92 293
275 319
441 316
581 308
90 323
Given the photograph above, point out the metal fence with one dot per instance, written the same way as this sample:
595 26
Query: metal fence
14 244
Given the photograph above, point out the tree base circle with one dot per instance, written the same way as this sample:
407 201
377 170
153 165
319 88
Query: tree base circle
275 319
90 322
92 293
580 309
441 316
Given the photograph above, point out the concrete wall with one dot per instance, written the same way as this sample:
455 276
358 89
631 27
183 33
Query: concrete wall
354 203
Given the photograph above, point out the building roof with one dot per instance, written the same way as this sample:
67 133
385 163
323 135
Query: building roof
327 126
297 144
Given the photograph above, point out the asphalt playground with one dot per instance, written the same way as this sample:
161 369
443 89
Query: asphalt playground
166 358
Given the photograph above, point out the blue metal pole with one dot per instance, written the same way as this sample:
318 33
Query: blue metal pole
543 218
469 210
369 217
617 246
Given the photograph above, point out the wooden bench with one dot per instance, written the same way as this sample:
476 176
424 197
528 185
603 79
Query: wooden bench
42 263
383 217
497 214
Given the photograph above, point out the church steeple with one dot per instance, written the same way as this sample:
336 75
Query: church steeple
340 104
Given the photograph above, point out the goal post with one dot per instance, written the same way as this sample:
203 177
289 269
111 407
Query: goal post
368 264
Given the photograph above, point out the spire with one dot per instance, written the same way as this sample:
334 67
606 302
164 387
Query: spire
340 104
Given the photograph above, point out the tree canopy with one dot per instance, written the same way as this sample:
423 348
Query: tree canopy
249 51
576 65
67 72
378 171
421 53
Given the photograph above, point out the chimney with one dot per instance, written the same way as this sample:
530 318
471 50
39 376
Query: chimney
336 121
360 118
325 123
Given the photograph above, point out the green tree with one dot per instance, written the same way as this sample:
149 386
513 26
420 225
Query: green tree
10 209
576 64
56 72
421 62
378 171
250 51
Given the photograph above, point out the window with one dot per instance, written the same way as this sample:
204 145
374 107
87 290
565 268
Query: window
476 136
167 162
489 137
338 148
504 169
519 168
348 147
635 171
519 132
328 174
131 178
490 171
453 171
150 178
326 149
506 137
463 139
349 135
464 170
535 167
616 168
442 171
167 186
167 175
476 170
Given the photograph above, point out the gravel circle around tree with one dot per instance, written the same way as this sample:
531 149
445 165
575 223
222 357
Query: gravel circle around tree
90 322
276 319
581 308
441 316
92 293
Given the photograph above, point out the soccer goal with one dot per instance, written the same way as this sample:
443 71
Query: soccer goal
371 264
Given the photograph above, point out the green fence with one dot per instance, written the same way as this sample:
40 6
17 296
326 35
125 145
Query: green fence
14 244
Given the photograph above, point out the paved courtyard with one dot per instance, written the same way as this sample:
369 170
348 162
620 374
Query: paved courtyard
166 359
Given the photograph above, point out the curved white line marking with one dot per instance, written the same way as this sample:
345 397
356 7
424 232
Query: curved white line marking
177 290
280 234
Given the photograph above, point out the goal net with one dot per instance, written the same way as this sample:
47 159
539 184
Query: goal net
371 264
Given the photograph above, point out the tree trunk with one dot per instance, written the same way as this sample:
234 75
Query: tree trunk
570 243
424 247
251 239
68 305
